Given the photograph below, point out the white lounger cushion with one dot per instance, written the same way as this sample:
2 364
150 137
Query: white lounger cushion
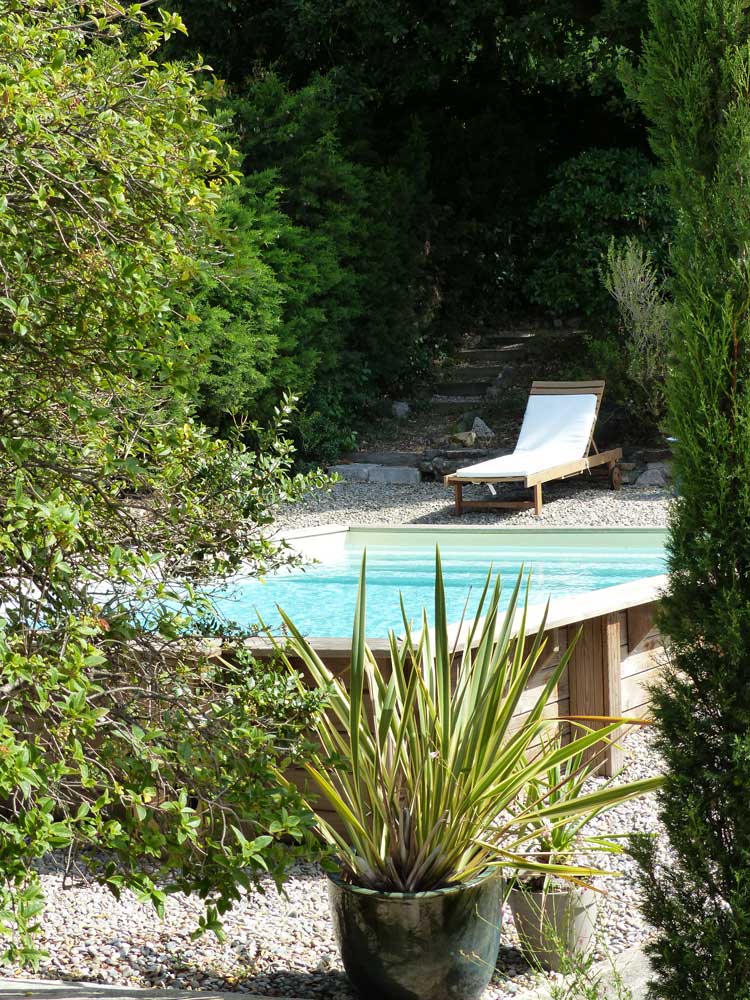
555 429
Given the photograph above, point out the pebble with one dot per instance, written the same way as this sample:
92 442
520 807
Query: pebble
282 944
566 504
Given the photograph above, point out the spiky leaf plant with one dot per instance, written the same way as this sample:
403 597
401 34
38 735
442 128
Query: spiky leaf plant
427 781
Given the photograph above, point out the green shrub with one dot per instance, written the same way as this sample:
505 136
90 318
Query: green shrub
632 279
233 311
597 195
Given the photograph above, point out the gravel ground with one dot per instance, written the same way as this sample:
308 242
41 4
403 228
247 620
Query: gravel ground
565 504
282 944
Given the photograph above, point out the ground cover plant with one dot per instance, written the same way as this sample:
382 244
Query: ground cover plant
693 86
120 731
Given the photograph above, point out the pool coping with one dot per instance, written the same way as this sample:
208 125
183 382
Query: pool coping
559 611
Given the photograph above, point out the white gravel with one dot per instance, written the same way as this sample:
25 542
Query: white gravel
282 944
571 504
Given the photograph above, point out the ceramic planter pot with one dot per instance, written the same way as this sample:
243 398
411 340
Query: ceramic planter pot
555 922
422 945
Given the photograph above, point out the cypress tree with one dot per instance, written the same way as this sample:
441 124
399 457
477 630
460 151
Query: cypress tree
694 86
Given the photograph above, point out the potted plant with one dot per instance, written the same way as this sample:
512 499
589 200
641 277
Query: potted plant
556 916
424 765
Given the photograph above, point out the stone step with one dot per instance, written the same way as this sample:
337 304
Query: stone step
504 348
471 373
496 356
391 458
369 472
461 455
457 403
508 335
463 388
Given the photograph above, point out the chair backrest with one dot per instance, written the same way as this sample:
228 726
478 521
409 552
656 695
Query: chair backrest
560 419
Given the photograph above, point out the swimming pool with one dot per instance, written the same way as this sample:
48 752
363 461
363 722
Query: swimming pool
320 596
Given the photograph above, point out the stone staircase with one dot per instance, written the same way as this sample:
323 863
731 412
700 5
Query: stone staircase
473 372
477 374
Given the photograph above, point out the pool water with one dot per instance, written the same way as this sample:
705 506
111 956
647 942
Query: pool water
320 597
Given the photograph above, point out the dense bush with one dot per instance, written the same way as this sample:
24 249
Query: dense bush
321 290
233 309
597 195
693 86
120 731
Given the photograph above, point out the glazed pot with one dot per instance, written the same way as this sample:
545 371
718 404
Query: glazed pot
554 923
422 945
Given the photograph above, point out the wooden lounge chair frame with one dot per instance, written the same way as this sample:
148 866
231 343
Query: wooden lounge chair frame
606 460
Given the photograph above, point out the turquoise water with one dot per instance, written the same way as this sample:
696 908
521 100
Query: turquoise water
320 598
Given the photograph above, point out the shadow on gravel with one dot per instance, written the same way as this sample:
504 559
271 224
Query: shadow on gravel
331 985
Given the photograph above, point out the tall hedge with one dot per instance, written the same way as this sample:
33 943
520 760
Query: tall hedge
694 87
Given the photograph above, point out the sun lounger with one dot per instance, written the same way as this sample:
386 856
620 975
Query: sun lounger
555 441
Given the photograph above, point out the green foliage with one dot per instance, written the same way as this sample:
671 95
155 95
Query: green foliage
582 977
122 731
598 195
693 87
432 789
233 310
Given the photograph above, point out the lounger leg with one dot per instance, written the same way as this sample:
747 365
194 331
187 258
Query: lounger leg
459 494
537 498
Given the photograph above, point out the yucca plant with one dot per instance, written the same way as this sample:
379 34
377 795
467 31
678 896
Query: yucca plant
559 841
427 781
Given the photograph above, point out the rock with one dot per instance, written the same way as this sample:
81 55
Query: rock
466 421
368 472
664 467
467 438
482 431
651 477
400 474
401 409
630 478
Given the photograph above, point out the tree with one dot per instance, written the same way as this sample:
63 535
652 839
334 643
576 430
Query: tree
693 86
122 729
322 294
